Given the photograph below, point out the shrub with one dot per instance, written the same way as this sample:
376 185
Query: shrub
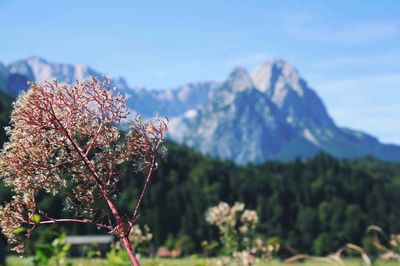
57 250
237 232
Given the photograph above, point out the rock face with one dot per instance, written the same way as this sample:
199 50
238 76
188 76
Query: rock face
268 114
39 70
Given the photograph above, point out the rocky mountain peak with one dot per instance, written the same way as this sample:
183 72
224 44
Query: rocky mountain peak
239 80
36 60
38 69
277 78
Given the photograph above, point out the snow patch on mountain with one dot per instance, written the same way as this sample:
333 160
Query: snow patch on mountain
309 136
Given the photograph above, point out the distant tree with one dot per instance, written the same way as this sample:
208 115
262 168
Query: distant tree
2 251
68 140
5 109
321 245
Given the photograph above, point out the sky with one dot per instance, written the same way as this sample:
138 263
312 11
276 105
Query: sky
348 51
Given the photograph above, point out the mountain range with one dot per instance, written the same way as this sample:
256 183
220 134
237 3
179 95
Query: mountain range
269 113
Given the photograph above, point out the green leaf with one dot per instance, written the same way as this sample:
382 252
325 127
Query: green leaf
66 247
19 230
36 218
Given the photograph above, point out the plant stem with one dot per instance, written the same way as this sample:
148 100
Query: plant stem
53 221
146 183
121 226
129 249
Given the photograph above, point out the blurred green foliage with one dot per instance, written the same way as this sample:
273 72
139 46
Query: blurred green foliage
118 258
181 242
56 251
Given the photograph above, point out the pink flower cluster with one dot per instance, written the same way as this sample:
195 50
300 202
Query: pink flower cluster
69 139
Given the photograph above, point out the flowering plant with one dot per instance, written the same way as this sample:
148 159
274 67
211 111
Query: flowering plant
237 231
69 138
141 238
237 228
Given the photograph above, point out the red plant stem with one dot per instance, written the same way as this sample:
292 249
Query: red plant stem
135 212
122 229
103 190
53 221
129 249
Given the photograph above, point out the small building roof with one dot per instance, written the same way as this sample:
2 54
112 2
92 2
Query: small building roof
89 239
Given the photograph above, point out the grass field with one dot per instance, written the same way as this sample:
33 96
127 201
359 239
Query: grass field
15 261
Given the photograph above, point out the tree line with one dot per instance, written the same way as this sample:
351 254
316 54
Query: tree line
315 205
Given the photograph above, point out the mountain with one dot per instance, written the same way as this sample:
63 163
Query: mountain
269 113
171 102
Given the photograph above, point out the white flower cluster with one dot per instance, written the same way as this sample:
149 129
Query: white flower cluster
237 227
244 258
223 215
138 236
265 249
250 217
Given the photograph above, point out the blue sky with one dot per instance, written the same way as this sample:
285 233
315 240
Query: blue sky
348 51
